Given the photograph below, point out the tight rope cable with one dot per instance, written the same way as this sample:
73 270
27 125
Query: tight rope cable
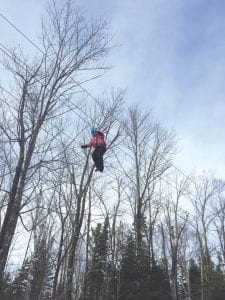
88 93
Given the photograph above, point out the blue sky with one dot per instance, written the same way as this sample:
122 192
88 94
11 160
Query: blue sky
171 59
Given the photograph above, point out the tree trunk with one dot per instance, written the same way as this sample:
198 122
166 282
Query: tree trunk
59 260
7 232
79 216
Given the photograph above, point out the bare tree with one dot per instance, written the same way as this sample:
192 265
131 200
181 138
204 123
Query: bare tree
62 211
150 149
176 222
219 223
44 88
41 266
207 192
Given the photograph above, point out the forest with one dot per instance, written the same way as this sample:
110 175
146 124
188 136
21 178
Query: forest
142 229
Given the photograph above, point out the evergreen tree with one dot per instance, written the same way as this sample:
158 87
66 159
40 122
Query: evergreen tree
159 284
129 277
214 282
41 269
21 283
6 293
217 286
113 281
144 266
195 280
98 274
139 278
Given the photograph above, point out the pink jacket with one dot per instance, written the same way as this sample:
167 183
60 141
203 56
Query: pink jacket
97 140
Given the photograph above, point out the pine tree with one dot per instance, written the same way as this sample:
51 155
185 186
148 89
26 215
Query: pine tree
139 278
113 281
98 273
195 280
21 283
159 284
217 286
41 269
129 277
6 293
213 282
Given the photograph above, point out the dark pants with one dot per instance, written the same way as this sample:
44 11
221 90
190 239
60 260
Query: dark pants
97 157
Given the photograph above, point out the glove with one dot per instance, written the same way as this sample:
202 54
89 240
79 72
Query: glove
83 146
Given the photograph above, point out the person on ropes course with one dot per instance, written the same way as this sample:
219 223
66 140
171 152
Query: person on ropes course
98 142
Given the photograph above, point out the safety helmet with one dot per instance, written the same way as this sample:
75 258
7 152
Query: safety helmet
93 130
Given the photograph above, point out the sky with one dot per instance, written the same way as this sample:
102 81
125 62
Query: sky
169 55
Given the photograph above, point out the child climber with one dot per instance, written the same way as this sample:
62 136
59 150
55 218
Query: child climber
98 142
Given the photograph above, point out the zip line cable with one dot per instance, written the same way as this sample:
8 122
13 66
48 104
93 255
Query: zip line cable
20 32
6 51
8 92
40 50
